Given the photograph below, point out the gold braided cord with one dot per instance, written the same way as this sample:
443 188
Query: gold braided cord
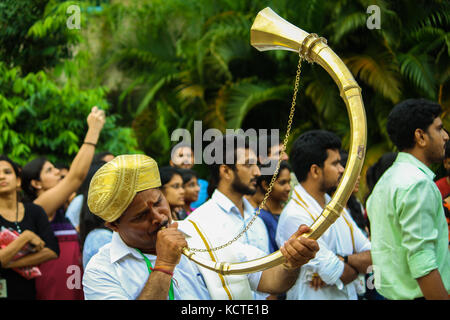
274 177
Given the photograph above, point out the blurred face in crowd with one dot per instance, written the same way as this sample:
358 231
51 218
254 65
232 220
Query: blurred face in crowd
182 158
282 186
9 182
108 157
191 190
447 165
357 185
332 171
49 176
174 191
275 153
246 172
143 218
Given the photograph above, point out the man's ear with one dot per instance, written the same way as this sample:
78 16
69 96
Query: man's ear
264 185
112 225
315 171
225 172
419 137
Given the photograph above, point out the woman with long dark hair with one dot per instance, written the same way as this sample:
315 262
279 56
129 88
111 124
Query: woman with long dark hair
43 186
31 223
172 188
93 232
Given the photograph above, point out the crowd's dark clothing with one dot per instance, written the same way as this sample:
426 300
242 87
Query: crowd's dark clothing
35 219
271 222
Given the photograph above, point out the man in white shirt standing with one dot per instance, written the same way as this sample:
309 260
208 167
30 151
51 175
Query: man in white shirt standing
233 174
344 251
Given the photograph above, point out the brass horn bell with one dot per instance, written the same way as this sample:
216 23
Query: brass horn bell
271 32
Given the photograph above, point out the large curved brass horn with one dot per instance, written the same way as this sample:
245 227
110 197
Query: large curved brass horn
271 32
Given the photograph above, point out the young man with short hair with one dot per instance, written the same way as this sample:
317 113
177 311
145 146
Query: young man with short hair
408 229
344 251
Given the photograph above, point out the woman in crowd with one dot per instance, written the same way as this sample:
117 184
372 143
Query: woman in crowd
74 209
191 188
354 206
172 188
43 186
93 233
271 211
31 223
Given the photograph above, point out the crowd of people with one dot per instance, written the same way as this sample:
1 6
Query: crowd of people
114 226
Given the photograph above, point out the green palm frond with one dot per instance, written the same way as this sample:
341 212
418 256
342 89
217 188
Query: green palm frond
347 24
243 96
379 73
417 68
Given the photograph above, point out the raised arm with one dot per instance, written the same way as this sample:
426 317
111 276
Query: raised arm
50 200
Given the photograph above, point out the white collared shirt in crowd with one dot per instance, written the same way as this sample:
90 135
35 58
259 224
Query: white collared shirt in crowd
302 208
119 272
229 222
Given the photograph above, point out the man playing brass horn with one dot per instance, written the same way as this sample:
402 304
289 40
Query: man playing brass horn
143 260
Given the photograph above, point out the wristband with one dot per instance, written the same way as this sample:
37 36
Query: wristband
162 270
90 143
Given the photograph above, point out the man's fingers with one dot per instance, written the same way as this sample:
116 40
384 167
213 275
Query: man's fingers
302 230
292 255
311 244
174 225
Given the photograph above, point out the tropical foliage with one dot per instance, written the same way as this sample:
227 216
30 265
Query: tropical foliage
164 64
43 110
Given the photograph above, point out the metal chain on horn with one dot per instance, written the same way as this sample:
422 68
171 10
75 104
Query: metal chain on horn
274 177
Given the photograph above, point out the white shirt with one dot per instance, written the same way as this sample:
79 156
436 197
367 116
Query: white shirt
304 209
119 272
228 222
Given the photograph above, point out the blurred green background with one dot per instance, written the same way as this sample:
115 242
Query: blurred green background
159 65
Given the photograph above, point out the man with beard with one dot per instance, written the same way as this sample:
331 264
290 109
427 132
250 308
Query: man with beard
443 185
408 228
344 251
233 174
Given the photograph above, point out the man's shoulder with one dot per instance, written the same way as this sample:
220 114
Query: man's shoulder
403 176
206 211
101 261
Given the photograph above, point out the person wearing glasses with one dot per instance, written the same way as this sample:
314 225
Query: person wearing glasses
172 188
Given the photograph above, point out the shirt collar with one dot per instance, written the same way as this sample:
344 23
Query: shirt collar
302 192
227 205
409 158
120 249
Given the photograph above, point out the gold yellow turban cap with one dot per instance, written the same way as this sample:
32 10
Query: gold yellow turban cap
115 184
